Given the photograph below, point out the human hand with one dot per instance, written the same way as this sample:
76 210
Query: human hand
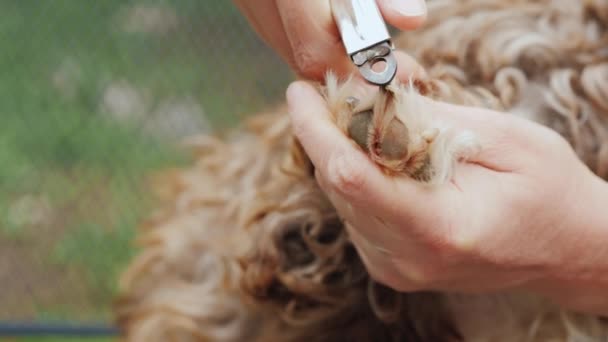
306 37
523 213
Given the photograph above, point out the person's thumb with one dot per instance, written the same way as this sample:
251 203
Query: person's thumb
346 169
404 14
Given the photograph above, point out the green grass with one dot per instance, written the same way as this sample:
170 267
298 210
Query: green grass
98 252
91 169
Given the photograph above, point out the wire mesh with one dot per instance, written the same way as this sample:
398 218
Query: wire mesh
94 96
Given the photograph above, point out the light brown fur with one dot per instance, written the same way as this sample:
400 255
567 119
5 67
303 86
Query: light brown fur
248 248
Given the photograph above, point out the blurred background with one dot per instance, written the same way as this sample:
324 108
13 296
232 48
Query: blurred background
94 96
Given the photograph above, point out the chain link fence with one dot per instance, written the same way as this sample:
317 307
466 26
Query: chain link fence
94 96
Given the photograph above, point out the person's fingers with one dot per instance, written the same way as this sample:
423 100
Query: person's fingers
348 171
378 264
408 68
264 17
498 134
397 242
404 14
304 33
367 224
315 41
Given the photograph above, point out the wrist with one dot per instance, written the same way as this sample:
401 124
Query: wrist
599 215
587 224
580 280
590 220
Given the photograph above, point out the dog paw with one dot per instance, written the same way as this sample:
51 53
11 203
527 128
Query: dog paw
394 126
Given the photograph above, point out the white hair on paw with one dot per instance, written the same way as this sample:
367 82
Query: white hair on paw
433 148
448 150
448 146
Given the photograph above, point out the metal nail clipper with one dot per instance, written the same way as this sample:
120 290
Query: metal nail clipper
366 38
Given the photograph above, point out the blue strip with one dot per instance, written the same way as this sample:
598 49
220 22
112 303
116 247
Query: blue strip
14 329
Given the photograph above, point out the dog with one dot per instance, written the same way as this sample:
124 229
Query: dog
246 246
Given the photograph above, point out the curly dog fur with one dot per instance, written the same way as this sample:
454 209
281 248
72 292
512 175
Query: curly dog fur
248 248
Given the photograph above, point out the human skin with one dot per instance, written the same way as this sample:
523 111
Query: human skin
304 33
526 213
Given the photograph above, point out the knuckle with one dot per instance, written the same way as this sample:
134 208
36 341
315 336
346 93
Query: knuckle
459 244
421 275
538 139
390 279
452 242
298 128
556 142
376 272
427 275
306 62
344 176
381 277
383 272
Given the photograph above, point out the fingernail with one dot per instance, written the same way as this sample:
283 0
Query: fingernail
409 8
